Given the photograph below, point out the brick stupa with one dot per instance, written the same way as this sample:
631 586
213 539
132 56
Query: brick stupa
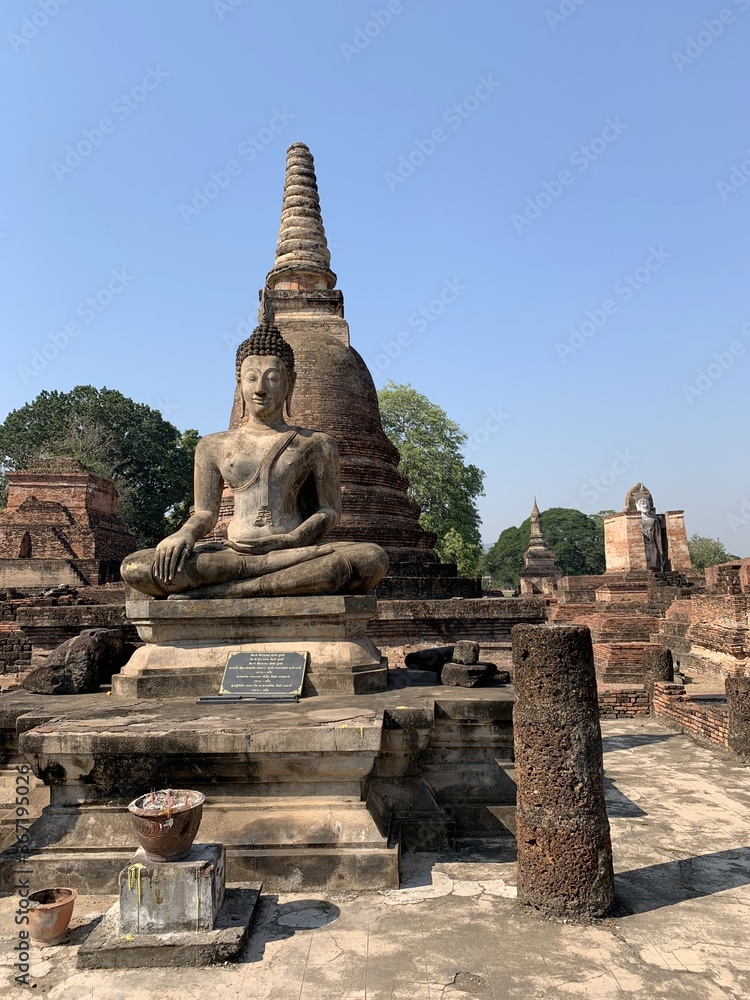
335 393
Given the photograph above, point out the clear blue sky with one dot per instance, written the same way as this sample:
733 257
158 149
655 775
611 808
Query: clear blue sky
185 87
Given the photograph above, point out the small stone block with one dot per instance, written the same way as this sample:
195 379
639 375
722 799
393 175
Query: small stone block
466 652
468 675
107 948
173 896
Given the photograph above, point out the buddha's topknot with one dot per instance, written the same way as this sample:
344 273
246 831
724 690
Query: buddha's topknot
266 340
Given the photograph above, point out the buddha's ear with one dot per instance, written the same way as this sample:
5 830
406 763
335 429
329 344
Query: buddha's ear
290 390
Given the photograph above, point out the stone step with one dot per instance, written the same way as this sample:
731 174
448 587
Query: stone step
280 869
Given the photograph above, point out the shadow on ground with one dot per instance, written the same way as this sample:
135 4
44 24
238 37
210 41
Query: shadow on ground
610 743
619 806
276 921
646 889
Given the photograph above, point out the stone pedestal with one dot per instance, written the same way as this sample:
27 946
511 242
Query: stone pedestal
173 896
187 643
175 913
564 849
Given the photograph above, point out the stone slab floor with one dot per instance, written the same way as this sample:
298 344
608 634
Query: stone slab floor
680 817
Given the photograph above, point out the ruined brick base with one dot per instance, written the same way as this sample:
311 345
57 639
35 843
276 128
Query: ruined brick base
704 717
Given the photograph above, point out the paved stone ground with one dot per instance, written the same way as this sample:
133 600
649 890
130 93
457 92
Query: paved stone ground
680 817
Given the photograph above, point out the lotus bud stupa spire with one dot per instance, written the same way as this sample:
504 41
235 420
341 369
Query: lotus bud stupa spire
536 533
539 575
303 260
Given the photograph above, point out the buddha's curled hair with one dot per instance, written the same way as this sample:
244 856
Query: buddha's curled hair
262 343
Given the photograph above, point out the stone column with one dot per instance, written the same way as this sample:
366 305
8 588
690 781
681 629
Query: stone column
564 848
738 703
657 666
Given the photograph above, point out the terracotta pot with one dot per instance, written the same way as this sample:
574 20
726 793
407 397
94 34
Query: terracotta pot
166 832
48 921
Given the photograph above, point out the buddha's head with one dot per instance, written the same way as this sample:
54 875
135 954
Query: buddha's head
265 374
639 499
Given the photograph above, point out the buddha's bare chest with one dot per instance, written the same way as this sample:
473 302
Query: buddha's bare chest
279 461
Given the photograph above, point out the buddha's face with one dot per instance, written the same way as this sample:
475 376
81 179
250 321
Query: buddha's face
265 385
643 506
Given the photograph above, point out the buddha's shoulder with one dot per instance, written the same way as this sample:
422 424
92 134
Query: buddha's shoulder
213 443
316 439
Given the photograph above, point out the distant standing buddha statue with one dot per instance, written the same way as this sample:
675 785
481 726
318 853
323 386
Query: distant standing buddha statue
640 499
287 496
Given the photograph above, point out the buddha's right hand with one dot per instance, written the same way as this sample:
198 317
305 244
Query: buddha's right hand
171 555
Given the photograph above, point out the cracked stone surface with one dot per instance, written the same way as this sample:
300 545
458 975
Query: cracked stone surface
680 817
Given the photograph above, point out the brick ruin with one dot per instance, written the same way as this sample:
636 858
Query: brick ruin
624 606
60 527
708 631
61 544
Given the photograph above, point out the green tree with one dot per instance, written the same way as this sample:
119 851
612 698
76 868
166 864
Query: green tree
440 480
575 538
148 459
468 557
707 552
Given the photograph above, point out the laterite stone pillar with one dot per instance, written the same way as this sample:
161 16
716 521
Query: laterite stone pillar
738 703
564 849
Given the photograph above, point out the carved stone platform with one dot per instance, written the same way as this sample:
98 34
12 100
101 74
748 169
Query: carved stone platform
319 794
187 643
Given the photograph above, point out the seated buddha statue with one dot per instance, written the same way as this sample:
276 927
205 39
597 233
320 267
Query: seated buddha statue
287 496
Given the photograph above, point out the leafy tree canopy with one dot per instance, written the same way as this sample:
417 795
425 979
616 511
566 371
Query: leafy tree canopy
707 552
148 459
576 539
440 480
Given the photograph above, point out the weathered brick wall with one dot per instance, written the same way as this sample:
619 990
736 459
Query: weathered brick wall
709 633
15 648
619 701
703 717
60 511
729 578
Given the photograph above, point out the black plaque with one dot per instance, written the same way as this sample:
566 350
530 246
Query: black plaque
264 676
